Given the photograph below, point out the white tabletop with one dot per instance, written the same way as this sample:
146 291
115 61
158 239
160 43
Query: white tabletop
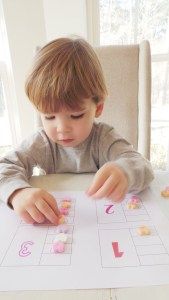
82 182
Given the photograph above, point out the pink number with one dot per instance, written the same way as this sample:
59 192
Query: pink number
109 209
24 251
117 253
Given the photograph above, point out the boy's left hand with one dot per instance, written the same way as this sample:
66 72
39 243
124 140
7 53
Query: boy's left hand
110 181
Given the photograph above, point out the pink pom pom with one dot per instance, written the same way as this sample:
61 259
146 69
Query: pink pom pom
64 211
58 247
135 199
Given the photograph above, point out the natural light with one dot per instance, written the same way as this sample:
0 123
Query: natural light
128 22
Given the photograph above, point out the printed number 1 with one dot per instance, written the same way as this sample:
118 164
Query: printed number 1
117 253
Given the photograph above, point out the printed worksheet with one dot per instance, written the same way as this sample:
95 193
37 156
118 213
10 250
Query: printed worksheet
103 247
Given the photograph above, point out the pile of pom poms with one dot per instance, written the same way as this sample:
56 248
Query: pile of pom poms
61 238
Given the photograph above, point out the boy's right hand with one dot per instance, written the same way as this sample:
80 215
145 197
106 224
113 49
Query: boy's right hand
35 205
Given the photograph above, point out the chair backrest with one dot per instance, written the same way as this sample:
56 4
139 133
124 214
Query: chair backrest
127 71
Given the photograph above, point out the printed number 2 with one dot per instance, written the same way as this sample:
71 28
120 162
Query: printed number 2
109 209
117 253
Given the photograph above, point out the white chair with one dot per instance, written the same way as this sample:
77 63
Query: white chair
127 70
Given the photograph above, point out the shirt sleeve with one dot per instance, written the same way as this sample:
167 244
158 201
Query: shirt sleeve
115 148
17 166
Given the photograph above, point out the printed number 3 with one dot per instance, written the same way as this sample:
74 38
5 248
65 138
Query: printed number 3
24 250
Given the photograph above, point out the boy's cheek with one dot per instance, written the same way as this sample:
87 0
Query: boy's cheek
51 133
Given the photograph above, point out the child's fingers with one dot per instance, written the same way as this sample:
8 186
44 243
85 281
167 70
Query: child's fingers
25 216
36 214
47 211
99 178
52 203
118 193
107 187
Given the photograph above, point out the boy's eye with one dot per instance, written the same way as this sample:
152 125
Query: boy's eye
77 117
49 117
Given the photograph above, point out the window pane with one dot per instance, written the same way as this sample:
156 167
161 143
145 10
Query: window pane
115 25
153 24
160 114
5 140
124 22
7 114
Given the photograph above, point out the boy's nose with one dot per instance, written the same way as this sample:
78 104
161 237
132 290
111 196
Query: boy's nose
62 126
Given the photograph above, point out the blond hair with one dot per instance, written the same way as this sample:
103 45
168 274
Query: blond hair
65 72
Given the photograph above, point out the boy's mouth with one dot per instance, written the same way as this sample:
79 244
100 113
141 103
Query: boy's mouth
66 140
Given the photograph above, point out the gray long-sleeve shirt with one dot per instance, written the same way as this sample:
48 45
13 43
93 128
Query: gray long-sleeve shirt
102 145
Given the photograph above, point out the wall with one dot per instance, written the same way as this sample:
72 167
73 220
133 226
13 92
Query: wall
25 29
65 17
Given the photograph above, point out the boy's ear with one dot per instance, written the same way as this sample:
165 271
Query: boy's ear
99 109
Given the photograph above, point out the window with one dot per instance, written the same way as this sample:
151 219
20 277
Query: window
6 140
8 109
126 22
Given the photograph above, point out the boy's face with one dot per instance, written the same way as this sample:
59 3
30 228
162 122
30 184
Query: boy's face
70 128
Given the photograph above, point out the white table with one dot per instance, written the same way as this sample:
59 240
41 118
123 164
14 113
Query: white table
81 182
